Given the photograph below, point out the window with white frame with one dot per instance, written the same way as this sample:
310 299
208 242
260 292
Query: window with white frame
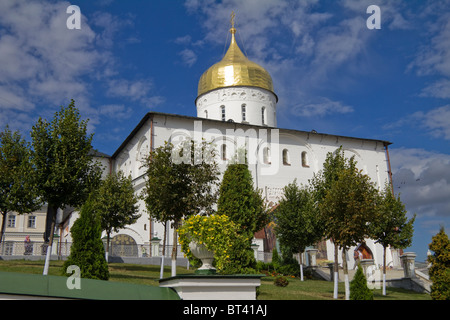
31 222
11 222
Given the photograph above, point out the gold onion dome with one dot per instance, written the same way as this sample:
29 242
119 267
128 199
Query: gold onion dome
235 69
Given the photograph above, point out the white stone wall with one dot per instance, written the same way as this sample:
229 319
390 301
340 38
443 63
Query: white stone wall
256 101
270 177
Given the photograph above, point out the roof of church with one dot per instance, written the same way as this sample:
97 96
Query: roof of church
151 114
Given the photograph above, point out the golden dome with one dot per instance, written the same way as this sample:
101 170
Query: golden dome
235 69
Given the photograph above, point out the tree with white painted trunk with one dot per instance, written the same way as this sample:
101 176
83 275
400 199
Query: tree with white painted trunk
297 220
392 227
65 169
181 181
347 206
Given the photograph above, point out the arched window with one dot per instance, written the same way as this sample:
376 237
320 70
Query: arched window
305 162
224 152
222 110
206 114
243 111
266 155
286 160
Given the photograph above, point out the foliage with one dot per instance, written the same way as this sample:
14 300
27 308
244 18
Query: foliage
18 190
240 201
392 227
440 268
87 251
281 281
349 207
276 261
217 232
358 286
66 172
245 207
116 203
297 223
175 189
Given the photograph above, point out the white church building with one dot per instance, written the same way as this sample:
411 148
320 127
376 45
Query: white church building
236 106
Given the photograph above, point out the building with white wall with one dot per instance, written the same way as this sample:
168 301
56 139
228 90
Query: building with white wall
236 107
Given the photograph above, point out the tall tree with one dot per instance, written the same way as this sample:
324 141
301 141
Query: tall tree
87 250
392 227
297 220
18 190
66 173
321 183
440 266
116 204
347 210
181 181
239 200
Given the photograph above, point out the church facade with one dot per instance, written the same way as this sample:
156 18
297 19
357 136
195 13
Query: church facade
236 108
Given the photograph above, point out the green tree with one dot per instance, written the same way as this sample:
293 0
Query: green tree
348 209
116 204
391 227
180 182
297 220
18 190
66 172
87 250
440 266
240 201
322 182
358 287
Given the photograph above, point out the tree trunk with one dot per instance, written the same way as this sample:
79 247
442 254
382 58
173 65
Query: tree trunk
384 270
108 235
48 235
300 260
345 267
3 226
174 249
336 272
161 272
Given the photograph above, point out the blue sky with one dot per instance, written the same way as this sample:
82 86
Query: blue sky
330 72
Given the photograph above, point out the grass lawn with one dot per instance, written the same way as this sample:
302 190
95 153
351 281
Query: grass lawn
149 274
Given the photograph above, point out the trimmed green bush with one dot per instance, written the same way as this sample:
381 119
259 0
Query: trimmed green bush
358 287
87 251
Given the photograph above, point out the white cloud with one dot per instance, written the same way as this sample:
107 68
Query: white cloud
188 57
321 107
423 180
44 64
435 122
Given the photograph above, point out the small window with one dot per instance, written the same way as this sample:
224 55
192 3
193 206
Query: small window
266 155
31 222
243 111
206 114
305 162
224 152
222 110
11 221
263 118
286 160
